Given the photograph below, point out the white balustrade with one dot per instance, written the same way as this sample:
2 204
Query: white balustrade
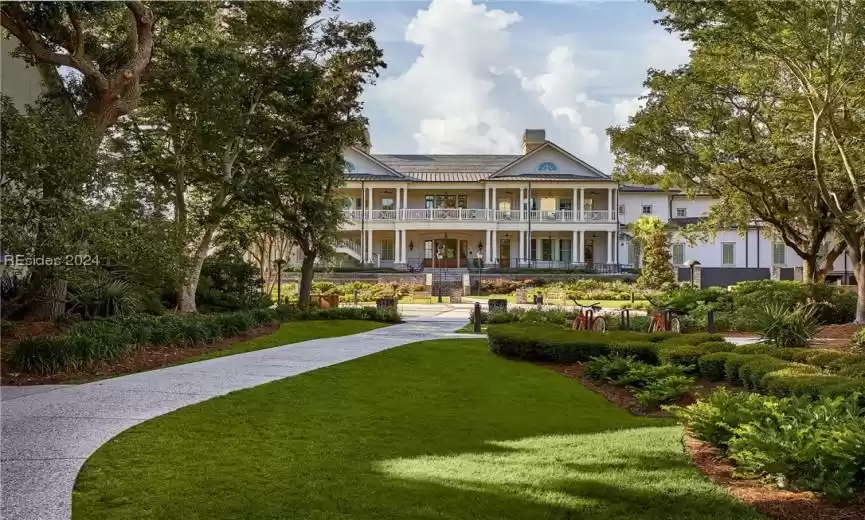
480 214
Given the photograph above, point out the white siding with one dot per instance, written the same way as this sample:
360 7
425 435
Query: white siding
633 203
698 207
563 164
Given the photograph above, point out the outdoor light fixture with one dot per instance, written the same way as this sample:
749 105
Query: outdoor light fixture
691 264
480 245
411 246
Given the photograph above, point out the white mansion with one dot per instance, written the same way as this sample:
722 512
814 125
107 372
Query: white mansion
544 208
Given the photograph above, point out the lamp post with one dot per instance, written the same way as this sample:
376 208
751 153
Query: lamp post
440 255
279 262
691 264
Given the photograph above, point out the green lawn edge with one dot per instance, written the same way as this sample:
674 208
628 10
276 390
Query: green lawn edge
436 429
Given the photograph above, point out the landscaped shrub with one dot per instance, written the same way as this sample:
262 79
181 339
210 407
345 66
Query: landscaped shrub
756 348
692 339
818 446
717 346
785 383
716 418
732 365
354 313
752 371
712 365
854 370
832 304
644 351
682 355
651 384
609 368
787 327
670 388
544 343
857 342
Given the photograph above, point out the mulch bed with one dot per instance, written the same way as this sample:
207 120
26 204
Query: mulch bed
835 337
776 503
154 356
766 498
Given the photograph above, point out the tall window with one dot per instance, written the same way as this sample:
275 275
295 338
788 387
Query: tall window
358 203
566 204
647 209
387 249
387 203
679 253
547 249
428 249
429 202
779 253
681 212
632 252
534 249
728 253
565 250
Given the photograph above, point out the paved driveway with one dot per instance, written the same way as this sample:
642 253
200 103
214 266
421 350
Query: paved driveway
47 436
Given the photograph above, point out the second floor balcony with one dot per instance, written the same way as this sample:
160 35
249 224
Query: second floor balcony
488 215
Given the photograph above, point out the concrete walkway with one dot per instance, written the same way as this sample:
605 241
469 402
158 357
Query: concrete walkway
47 436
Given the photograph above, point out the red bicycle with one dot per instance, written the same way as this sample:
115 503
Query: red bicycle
587 320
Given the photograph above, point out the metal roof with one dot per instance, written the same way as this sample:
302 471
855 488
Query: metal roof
428 164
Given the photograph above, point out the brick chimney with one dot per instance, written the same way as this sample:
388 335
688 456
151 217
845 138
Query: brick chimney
533 139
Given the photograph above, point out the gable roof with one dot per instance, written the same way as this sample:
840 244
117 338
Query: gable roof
501 174
371 176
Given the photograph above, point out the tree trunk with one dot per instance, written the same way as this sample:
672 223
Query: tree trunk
186 294
809 267
50 300
307 269
859 270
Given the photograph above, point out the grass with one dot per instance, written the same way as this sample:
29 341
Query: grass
432 430
295 332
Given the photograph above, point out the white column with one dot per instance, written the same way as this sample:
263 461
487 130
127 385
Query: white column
609 205
574 257
369 245
495 201
404 248
582 206
487 249
610 244
405 198
522 246
537 256
574 205
369 200
486 197
494 243
582 247
522 202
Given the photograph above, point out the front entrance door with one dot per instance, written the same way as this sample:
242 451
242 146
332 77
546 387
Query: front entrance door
505 253
449 252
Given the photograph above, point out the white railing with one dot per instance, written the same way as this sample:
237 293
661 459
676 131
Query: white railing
564 215
351 246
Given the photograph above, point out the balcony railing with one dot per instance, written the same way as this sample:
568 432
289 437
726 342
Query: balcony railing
480 214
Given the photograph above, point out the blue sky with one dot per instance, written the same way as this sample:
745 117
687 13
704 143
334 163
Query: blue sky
469 77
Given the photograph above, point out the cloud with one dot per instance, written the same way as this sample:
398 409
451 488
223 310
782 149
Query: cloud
448 89
481 75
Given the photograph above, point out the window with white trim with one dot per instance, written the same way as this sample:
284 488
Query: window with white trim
681 212
679 253
621 209
647 209
728 253
779 253
387 249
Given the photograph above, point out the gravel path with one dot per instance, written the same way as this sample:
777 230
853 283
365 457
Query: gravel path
47 435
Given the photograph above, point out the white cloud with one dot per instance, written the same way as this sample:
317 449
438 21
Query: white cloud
480 79
448 88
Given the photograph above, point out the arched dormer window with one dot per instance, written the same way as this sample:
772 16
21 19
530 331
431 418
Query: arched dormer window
547 167
349 167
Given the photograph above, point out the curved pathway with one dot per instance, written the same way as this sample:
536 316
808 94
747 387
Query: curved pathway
47 436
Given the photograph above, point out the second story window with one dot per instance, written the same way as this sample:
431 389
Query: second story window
681 212
647 209
621 209
387 203
429 202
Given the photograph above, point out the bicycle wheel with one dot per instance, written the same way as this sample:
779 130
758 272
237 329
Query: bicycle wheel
599 325
675 326
652 325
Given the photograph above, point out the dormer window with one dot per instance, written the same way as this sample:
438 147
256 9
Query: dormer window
348 166
547 167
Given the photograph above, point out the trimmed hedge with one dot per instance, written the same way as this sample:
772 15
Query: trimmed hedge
752 371
693 339
537 342
784 383
717 346
644 351
681 355
712 365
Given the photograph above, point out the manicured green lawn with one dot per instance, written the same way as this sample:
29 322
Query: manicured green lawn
434 430
294 332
